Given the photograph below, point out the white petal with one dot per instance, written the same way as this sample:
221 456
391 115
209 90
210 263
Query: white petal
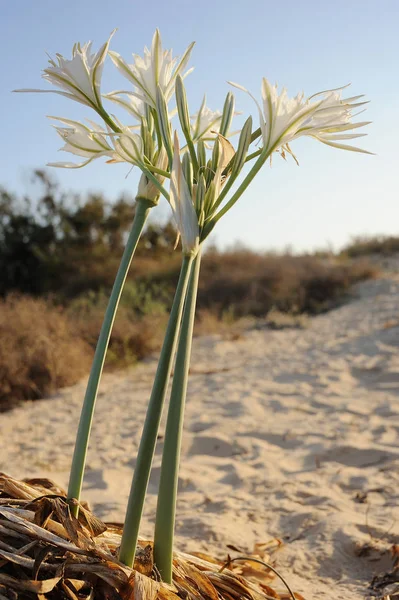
69 165
343 146
66 94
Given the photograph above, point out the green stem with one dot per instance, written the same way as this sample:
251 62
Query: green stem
86 417
105 116
157 129
253 155
153 169
166 507
149 436
241 189
193 155
257 133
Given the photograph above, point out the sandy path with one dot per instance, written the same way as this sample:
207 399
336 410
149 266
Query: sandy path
291 433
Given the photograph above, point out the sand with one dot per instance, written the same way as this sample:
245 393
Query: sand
289 434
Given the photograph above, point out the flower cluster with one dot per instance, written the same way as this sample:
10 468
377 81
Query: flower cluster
323 116
155 79
78 78
81 140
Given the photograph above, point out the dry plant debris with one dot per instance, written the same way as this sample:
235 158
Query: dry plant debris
47 554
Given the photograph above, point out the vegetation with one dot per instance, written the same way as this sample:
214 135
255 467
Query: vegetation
58 259
365 246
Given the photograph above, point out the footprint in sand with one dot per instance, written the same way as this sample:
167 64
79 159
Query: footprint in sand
215 446
357 457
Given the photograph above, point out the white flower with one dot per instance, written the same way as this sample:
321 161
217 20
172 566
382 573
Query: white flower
79 78
147 189
132 104
182 205
156 68
82 141
128 148
322 116
205 123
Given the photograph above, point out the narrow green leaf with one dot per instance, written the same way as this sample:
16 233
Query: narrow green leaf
200 196
148 142
227 114
201 154
182 106
209 173
164 124
188 171
242 148
210 197
215 156
184 117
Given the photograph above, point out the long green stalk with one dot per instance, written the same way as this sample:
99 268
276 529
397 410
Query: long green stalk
166 507
150 431
86 417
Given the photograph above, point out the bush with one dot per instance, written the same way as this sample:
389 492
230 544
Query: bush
133 336
40 350
366 246
66 246
45 347
248 283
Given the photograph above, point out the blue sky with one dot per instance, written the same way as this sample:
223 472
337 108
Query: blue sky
308 45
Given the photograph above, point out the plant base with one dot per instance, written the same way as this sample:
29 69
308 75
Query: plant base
46 553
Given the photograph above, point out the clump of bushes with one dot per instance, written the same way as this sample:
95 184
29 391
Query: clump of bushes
68 245
365 246
137 332
249 283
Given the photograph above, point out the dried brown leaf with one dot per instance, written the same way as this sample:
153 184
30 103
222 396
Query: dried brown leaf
33 530
232 584
18 489
227 152
68 591
269 591
190 579
39 587
46 484
94 525
207 557
140 587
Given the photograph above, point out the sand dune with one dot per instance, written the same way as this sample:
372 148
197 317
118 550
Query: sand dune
290 434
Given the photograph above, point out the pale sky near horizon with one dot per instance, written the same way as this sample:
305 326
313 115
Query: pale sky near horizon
308 45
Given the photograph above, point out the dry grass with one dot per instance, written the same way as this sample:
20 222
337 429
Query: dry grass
40 350
133 338
47 553
247 283
45 347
